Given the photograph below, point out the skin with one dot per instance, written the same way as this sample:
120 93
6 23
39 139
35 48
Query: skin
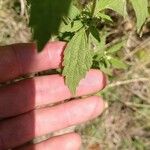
21 119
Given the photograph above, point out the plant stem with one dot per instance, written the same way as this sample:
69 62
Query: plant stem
93 7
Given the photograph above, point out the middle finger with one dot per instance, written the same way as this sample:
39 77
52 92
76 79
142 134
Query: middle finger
28 94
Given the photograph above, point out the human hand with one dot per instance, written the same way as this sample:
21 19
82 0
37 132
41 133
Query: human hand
21 121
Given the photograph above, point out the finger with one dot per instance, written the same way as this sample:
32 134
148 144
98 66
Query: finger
19 59
70 141
16 131
28 94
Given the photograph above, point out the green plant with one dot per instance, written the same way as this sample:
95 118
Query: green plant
78 23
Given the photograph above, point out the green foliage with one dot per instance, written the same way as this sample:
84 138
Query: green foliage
117 63
95 33
105 58
45 18
77 60
73 12
78 24
116 47
141 10
117 5
72 27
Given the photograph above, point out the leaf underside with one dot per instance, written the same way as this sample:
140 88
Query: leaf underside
77 60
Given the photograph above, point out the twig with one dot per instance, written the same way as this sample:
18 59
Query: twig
139 95
22 7
138 48
137 66
119 83
1 3
137 105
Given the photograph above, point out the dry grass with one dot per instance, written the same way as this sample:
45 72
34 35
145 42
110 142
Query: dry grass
13 24
125 125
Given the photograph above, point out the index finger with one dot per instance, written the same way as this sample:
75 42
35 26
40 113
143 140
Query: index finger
20 59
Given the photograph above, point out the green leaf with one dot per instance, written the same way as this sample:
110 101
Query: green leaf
94 31
99 55
117 5
77 60
141 10
100 46
117 63
107 62
104 16
45 18
106 70
71 27
73 12
116 47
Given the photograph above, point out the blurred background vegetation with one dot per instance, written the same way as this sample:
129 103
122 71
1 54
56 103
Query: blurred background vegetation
125 125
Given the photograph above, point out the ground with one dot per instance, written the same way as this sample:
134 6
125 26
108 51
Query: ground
125 125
